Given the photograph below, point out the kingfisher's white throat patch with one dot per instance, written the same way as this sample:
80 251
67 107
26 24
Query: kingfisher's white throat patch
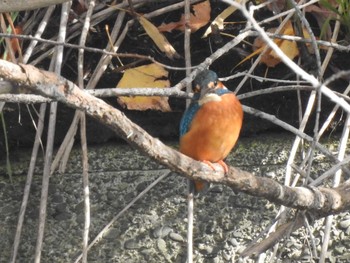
208 98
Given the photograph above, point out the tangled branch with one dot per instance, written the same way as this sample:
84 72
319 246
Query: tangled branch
321 201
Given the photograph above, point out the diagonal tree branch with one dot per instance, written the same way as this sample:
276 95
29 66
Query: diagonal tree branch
14 6
320 201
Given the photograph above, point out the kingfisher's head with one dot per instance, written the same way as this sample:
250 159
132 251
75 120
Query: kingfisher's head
209 87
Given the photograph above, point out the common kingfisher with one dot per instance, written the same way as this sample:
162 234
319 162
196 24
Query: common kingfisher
211 125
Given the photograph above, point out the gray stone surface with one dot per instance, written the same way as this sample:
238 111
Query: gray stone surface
154 229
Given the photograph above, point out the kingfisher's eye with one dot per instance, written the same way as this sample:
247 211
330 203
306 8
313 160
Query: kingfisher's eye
215 83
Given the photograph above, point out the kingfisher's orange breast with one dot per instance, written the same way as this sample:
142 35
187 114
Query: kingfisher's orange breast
214 130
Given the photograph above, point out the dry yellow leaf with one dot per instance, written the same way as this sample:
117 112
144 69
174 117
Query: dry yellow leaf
201 16
147 76
219 20
290 48
158 38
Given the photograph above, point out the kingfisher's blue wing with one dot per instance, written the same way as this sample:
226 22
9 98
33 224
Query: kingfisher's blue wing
187 118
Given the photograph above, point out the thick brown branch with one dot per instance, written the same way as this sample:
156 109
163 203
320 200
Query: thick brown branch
322 201
319 200
20 5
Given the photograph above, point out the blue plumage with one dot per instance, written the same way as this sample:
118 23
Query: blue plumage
189 114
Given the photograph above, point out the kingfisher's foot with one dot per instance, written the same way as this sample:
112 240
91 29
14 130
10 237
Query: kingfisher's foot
224 165
221 162
210 164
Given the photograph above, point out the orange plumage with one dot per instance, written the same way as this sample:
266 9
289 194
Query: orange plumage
211 126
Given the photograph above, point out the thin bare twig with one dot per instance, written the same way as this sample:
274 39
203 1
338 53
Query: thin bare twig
83 140
26 190
50 138
85 186
37 142
336 182
190 195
